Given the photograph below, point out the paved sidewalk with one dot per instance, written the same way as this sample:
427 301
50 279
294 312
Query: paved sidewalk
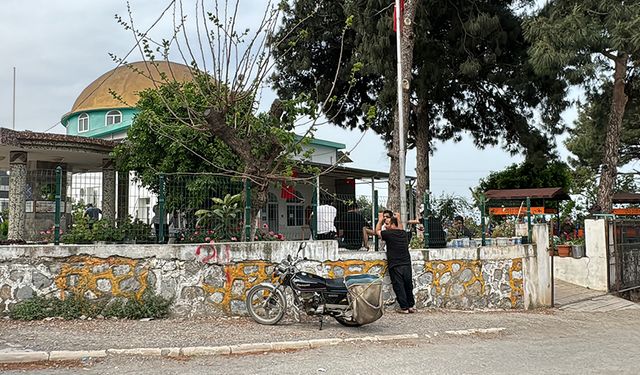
576 298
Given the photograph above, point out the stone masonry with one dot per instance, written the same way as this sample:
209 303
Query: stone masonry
213 279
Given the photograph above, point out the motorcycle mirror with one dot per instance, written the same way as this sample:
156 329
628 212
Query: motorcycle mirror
302 246
289 258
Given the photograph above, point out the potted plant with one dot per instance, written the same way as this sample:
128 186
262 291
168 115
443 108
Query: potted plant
577 247
563 245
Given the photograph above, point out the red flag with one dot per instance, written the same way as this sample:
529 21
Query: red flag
395 28
288 191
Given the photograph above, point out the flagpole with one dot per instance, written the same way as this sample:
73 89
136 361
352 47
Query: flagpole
401 136
13 122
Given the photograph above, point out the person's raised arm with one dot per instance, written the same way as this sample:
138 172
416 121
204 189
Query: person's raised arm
379 224
397 215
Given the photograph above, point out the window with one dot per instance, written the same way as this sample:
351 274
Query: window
113 117
295 210
83 123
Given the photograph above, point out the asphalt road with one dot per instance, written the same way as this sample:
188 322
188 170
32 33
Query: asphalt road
588 343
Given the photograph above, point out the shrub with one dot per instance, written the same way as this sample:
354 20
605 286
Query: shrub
37 308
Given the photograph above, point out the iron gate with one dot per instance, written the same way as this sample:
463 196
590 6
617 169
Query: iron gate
623 242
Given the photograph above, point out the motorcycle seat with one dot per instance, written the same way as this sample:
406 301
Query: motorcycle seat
336 285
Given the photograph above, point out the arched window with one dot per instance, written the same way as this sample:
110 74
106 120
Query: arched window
295 210
113 117
83 123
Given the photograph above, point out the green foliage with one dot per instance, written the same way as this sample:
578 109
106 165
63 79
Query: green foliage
572 37
529 175
162 138
79 232
4 229
471 71
38 307
106 230
447 207
586 140
224 216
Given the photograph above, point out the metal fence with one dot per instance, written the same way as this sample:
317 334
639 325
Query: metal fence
624 255
195 208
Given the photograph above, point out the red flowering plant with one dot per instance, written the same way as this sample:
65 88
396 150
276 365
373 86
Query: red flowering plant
47 235
264 234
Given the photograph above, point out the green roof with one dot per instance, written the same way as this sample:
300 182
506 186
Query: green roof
322 142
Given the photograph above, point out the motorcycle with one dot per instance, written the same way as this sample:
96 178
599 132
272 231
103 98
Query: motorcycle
353 301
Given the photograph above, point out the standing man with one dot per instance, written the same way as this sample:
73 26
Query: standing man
92 214
398 262
326 217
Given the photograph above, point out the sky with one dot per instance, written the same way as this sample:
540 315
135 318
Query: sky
60 46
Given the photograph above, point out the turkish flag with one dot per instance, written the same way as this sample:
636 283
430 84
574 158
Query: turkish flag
288 191
395 27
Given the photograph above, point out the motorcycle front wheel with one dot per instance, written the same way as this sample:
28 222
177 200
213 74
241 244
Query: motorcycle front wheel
265 305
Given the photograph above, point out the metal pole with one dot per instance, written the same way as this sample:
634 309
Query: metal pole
425 219
247 210
401 135
529 220
56 229
314 221
13 123
161 199
375 217
482 220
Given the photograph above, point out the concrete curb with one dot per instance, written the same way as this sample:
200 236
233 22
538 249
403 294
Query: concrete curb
65 355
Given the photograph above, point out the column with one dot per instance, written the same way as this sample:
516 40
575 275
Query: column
17 187
123 196
108 190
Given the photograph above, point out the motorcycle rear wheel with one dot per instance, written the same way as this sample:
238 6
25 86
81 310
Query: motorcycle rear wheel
346 322
265 305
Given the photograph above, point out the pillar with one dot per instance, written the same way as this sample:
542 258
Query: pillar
123 196
17 199
108 190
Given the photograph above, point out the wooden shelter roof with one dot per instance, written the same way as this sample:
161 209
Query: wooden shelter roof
553 193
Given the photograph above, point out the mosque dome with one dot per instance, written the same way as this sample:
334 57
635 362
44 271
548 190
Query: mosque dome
127 81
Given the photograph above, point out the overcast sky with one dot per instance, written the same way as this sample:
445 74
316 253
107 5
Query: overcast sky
60 46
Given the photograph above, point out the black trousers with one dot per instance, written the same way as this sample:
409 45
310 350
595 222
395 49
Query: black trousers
402 282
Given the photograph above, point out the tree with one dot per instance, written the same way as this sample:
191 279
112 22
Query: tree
159 142
470 73
579 41
527 175
585 139
230 66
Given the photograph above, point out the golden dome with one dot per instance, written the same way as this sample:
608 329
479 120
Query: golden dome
127 81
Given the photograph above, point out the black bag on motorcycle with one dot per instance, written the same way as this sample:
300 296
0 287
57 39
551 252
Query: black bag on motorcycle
365 297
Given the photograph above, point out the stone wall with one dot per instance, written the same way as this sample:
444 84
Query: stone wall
213 279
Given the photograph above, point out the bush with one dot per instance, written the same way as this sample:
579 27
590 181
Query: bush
37 308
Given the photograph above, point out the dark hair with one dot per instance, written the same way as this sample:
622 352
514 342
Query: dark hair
459 218
352 205
89 205
387 212
394 221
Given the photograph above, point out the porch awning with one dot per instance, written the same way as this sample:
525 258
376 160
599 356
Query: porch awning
626 197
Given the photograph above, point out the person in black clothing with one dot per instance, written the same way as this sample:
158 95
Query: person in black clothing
350 227
398 262
460 230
